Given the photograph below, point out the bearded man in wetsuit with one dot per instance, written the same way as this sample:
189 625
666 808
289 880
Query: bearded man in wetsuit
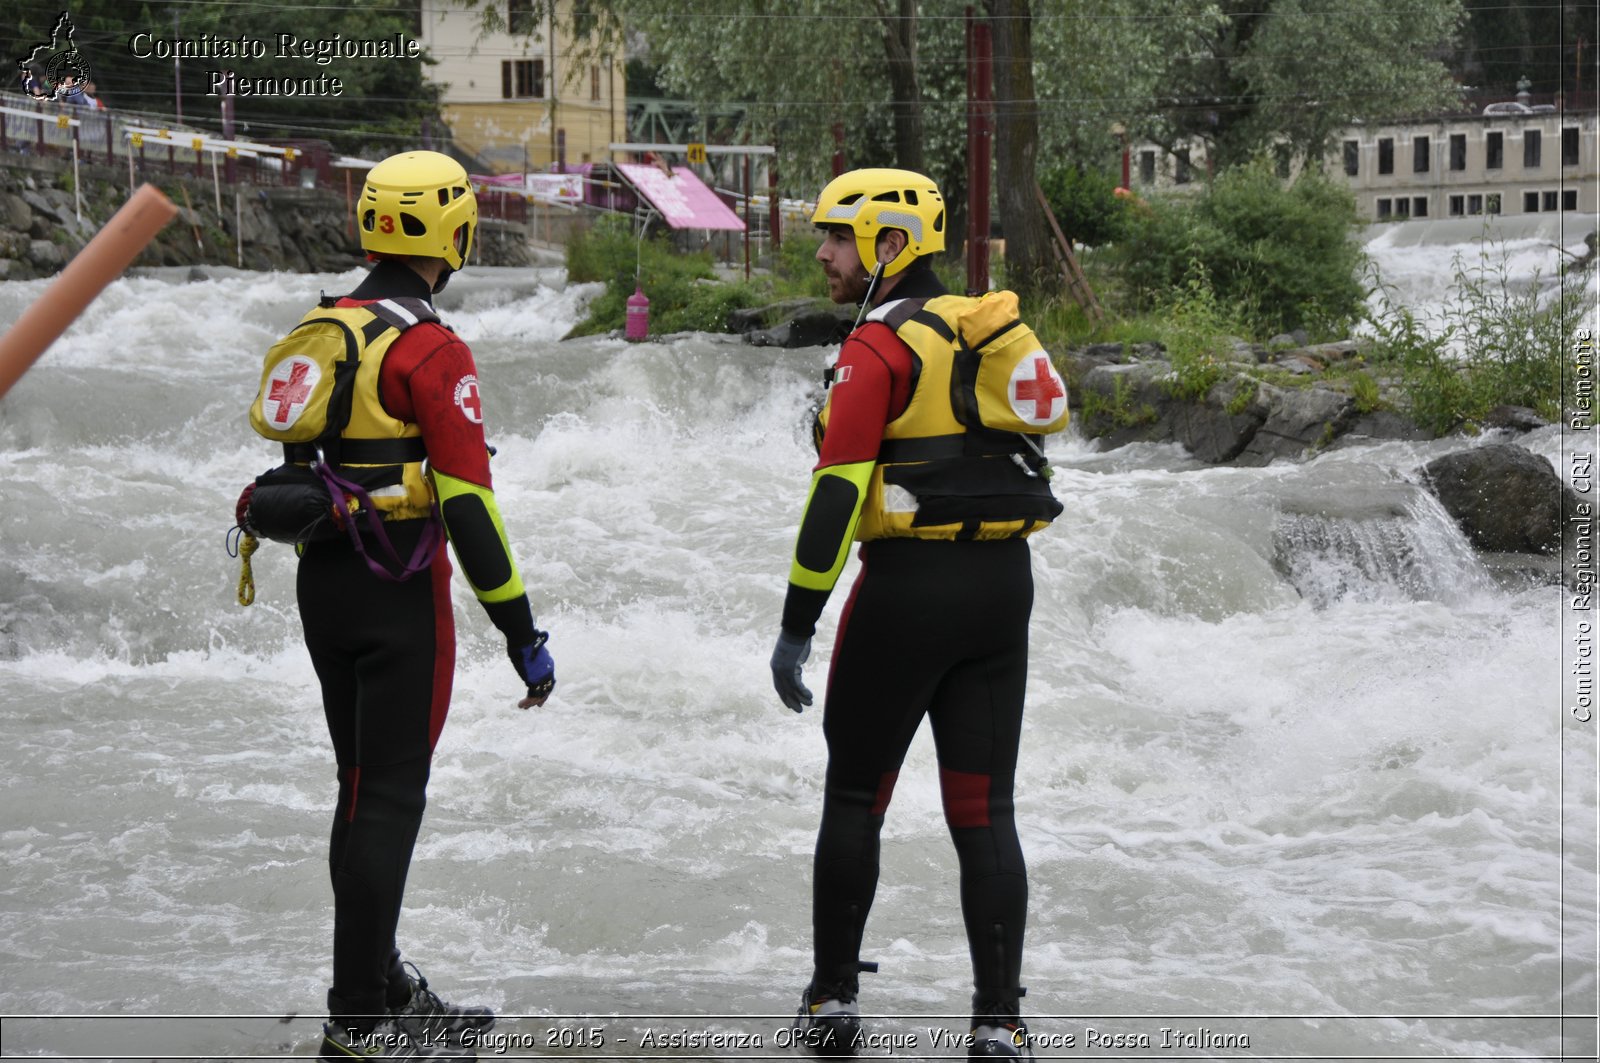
380 629
937 622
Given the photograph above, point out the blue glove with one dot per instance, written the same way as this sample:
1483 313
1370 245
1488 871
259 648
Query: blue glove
790 654
534 665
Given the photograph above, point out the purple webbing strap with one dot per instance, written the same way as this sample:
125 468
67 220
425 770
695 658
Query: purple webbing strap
421 557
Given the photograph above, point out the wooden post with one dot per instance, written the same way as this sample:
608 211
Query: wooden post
1077 284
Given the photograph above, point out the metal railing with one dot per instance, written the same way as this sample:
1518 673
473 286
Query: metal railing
151 143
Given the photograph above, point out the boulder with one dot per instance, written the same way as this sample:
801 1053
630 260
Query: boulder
1297 420
1385 424
15 213
1506 499
750 319
1514 418
45 254
1220 428
815 327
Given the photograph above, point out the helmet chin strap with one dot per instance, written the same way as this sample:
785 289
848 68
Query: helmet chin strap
866 300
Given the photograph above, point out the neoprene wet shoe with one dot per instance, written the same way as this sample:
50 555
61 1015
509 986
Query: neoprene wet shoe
387 1040
828 1024
1005 1041
998 1031
430 1020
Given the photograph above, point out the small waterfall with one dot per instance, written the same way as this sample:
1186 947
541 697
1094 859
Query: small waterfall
1397 545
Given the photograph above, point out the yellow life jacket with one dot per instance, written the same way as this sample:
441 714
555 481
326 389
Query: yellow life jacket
965 460
319 397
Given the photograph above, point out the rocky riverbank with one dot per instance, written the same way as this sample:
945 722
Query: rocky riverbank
43 224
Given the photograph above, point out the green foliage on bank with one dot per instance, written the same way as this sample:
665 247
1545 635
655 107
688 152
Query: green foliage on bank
1502 344
1085 204
682 287
1279 256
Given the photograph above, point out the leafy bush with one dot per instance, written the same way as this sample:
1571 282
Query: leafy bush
1085 205
795 270
707 308
1197 333
1278 257
611 252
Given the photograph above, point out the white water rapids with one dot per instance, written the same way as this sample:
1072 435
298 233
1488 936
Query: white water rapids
1296 770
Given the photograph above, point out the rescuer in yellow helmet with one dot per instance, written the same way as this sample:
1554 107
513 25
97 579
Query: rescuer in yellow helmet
936 465
380 414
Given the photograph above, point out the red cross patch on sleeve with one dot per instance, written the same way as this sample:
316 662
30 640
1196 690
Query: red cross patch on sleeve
468 401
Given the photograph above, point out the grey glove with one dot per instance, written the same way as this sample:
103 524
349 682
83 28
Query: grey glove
787 657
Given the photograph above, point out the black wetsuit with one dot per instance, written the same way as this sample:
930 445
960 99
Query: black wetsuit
384 653
935 628
385 656
938 629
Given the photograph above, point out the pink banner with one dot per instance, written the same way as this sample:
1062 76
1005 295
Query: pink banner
683 199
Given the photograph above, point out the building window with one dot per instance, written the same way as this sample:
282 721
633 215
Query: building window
1181 173
1385 208
1548 201
1569 199
1420 152
1458 151
1531 149
1474 204
1283 160
1147 167
1458 206
522 79
1530 202
1491 203
1352 158
1386 155
1569 146
594 82
1494 150
519 16
1419 207
1402 207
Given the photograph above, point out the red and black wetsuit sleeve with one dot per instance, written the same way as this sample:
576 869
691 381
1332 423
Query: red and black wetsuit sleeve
871 387
429 379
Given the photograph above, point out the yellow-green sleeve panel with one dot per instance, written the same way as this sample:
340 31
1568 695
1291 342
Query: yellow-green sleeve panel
828 526
472 520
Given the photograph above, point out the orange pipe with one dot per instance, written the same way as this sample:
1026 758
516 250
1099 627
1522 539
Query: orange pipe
100 262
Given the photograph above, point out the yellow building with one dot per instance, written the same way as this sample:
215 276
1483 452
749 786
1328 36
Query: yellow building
528 95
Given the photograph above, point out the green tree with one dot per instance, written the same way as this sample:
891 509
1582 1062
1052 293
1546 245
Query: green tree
1296 71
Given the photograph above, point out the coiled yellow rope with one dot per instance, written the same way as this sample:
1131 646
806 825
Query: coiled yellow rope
247 578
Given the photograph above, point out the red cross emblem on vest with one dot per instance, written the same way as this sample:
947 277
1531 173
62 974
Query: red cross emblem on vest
291 385
1042 389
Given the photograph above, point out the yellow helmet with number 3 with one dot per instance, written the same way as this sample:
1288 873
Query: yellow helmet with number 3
870 201
418 203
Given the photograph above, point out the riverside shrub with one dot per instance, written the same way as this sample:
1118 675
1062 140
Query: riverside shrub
1278 256
611 252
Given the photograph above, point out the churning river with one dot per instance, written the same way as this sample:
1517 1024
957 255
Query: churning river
1298 780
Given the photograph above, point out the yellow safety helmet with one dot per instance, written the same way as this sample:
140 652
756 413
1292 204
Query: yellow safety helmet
418 203
870 201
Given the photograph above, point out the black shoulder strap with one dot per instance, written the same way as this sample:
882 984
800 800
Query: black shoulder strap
342 397
906 309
